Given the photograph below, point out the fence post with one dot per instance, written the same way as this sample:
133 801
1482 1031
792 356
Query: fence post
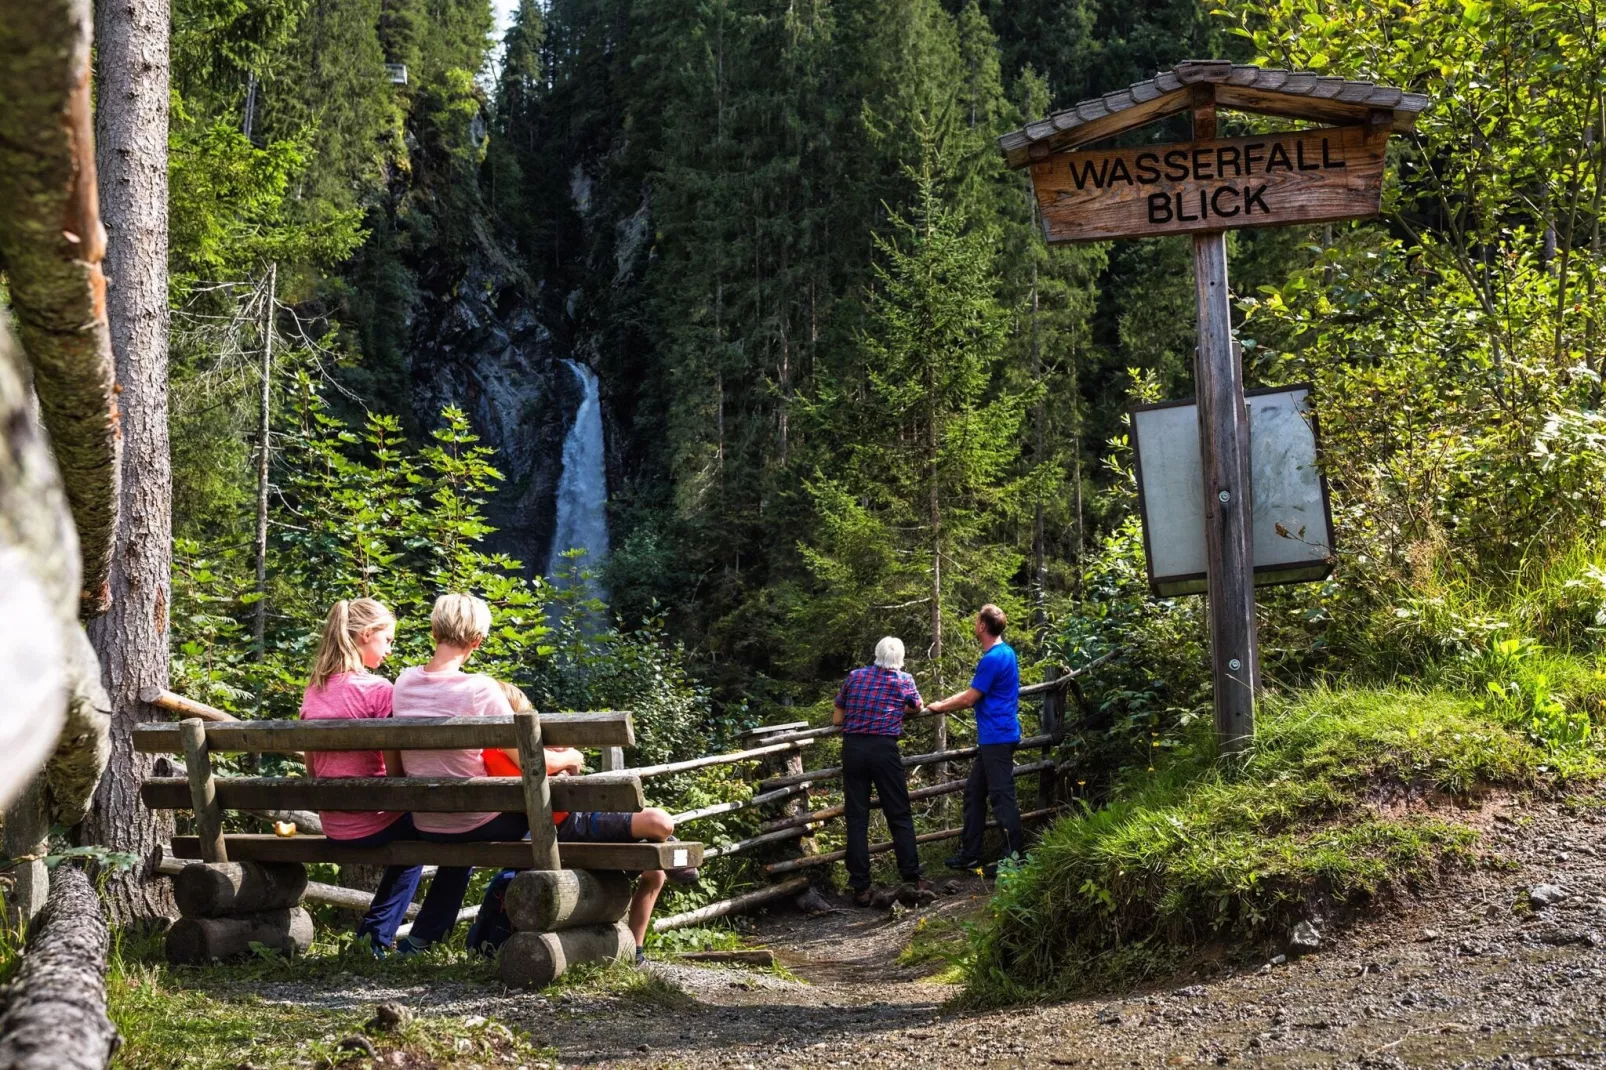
203 790
1051 723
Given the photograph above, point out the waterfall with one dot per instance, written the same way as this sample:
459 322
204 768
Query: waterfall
582 521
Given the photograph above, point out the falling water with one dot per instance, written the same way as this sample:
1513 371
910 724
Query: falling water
583 487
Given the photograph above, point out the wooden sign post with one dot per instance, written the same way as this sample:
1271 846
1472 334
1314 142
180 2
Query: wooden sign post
1224 456
1204 188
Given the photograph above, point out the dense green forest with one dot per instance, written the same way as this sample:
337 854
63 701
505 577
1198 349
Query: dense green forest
848 390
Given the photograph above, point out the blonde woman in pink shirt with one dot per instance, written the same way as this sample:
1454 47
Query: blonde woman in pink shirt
356 639
440 688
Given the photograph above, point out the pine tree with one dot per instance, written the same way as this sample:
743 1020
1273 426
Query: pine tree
927 443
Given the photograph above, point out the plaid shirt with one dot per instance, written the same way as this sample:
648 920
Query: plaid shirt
874 699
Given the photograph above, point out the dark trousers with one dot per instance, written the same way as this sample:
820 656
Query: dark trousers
396 889
875 760
451 882
991 783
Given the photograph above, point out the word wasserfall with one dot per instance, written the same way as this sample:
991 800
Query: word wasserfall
1201 165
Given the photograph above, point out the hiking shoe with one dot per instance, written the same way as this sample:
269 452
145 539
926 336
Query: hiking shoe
864 897
410 945
641 956
961 863
684 875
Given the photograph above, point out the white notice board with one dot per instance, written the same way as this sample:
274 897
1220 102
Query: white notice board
1291 520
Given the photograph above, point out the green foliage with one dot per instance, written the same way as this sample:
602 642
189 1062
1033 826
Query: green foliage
1202 850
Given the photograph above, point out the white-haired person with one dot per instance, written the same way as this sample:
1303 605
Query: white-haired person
870 707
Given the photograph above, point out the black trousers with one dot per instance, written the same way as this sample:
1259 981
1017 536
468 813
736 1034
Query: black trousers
875 760
991 783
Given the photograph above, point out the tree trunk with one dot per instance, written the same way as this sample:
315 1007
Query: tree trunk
259 625
55 1016
51 243
1039 420
934 517
132 638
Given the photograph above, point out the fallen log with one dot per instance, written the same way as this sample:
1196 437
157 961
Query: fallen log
754 956
55 1014
793 864
734 905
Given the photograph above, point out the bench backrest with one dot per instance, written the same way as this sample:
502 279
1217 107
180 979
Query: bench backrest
606 729
208 796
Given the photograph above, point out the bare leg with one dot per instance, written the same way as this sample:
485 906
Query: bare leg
652 824
648 886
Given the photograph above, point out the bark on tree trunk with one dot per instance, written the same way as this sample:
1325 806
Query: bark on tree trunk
55 1014
51 243
132 638
934 517
259 626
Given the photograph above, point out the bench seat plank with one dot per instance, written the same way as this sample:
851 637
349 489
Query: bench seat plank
603 791
497 855
598 729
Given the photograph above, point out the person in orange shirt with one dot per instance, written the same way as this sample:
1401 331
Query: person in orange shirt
491 927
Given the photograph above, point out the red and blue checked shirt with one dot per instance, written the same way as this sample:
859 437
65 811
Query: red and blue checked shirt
874 700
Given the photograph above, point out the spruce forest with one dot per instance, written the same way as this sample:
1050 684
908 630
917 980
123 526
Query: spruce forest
710 341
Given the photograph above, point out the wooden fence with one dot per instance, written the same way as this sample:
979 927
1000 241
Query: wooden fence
785 796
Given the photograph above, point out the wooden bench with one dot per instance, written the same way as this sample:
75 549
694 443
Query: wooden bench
246 886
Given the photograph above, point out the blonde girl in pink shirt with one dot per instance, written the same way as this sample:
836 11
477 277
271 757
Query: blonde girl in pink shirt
357 636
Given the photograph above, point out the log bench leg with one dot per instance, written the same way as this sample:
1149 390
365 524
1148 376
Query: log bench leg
535 960
228 906
199 941
563 918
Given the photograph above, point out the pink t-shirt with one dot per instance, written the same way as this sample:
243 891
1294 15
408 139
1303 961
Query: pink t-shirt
349 695
420 693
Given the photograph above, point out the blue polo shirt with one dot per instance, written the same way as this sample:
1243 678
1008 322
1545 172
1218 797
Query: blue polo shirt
998 679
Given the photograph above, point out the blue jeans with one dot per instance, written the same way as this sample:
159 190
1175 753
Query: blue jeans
451 882
396 888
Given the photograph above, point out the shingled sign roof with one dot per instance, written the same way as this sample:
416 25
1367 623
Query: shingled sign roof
1295 94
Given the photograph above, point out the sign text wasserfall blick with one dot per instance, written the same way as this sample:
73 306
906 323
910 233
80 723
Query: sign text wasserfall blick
1305 176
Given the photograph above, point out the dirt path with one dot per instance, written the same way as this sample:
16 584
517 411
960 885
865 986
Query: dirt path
1467 976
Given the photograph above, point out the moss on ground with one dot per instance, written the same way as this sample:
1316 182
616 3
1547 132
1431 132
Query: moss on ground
1343 794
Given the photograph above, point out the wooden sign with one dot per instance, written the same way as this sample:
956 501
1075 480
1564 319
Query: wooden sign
1306 176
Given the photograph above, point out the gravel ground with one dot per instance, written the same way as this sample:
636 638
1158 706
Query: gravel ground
1474 974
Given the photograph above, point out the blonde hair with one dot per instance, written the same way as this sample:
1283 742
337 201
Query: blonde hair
347 622
516 697
889 653
460 619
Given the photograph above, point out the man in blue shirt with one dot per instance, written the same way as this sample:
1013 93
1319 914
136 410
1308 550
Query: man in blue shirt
994 693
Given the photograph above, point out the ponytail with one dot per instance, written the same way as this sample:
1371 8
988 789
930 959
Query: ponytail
347 622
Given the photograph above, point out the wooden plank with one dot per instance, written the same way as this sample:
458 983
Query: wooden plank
537 794
1211 184
600 729
772 729
499 855
1224 459
1302 105
203 792
603 791
1106 126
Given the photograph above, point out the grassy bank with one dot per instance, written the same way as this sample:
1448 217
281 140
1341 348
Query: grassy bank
1344 793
